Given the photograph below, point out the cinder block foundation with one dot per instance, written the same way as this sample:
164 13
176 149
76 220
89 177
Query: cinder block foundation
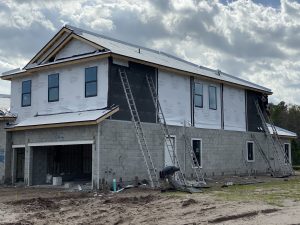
116 153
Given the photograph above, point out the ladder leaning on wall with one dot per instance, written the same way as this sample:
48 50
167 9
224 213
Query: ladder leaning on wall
285 167
194 162
151 170
169 144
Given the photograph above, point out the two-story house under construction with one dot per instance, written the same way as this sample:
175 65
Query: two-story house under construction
84 111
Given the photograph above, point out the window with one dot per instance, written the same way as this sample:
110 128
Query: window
250 151
198 95
287 152
91 81
197 148
53 87
26 93
212 97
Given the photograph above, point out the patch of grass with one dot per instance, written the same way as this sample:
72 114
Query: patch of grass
273 193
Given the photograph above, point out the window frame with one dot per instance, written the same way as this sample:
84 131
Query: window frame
289 152
201 151
209 106
25 93
87 82
201 95
247 151
56 100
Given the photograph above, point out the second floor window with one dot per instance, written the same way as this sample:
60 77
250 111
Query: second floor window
198 97
26 93
212 97
53 87
91 81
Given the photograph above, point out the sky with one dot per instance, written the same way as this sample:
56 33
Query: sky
255 40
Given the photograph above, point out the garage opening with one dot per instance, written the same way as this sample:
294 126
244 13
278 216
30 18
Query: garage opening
20 163
71 162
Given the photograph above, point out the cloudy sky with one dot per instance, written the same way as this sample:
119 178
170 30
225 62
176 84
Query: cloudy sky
256 40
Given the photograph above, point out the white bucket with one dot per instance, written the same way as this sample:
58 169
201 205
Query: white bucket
57 181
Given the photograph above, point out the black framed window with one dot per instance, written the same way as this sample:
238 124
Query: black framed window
250 151
196 143
287 152
53 87
26 93
212 93
91 81
198 95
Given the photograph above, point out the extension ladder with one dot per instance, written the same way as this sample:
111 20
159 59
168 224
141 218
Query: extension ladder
194 162
162 121
264 156
285 167
152 172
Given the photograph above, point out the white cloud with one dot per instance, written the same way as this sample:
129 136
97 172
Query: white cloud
246 39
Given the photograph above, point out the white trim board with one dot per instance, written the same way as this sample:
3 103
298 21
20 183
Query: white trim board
83 142
18 146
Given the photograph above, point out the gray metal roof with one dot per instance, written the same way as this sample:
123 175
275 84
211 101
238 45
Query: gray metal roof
160 58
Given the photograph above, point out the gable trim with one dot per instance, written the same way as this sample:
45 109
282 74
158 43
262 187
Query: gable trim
67 41
48 45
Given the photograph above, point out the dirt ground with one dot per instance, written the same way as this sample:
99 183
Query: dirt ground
261 201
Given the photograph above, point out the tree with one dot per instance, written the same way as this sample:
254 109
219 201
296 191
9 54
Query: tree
288 117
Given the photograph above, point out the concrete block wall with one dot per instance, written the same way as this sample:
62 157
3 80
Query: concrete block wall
116 152
224 152
2 150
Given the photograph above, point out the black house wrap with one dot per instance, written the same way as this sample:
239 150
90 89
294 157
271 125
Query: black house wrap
136 74
253 119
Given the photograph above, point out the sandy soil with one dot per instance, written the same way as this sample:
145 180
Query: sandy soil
27 206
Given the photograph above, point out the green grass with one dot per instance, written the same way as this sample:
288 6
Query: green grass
273 193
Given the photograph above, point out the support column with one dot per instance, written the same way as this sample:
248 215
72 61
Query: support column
94 166
28 165
13 166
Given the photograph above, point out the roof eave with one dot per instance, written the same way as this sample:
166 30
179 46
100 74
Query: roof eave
189 73
29 71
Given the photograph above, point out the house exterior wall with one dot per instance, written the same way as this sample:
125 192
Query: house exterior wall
116 153
234 108
2 150
174 92
71 91
75 47
205 117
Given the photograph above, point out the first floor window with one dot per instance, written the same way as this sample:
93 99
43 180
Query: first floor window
91 81
212 97
53 87
26 93
250 151
198 95
196 143
287 152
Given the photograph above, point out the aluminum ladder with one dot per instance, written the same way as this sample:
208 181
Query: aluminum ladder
194 162
285 167
151 170
162 121
264 156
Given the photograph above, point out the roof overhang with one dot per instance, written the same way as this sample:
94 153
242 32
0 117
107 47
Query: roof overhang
82 118
57 64
282 133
